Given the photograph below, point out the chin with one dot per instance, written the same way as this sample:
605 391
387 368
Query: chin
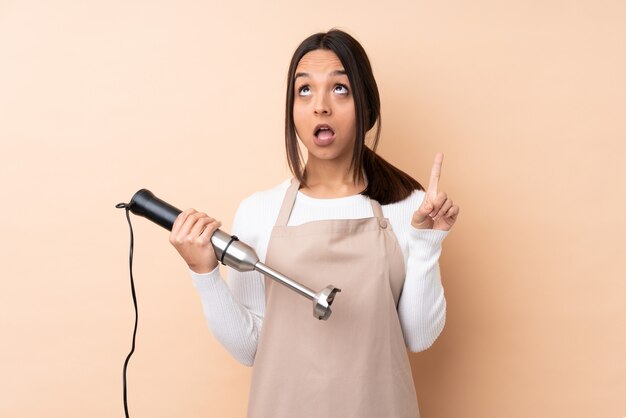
326 155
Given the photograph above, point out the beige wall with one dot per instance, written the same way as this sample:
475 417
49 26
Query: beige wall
99 99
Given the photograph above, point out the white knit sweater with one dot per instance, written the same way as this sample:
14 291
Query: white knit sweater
234 308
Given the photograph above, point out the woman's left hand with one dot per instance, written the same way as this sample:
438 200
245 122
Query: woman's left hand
437 210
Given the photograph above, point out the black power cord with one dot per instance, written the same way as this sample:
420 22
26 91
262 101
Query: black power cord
126 206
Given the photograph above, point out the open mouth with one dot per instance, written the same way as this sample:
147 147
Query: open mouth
324 135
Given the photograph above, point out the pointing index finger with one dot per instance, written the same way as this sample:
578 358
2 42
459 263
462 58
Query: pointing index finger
435 174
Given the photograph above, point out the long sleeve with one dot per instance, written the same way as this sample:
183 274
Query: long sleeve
234 308
422 306
233 311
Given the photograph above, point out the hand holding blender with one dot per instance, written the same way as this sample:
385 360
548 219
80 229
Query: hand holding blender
192 232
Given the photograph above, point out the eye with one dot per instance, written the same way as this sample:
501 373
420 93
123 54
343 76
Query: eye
304 90
341 89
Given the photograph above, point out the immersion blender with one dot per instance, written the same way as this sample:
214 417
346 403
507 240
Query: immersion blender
230 251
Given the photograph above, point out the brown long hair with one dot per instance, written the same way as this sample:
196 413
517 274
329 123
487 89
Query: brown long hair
385 183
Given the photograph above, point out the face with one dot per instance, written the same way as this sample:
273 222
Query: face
323 107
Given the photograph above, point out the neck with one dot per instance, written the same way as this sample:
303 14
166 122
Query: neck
326 179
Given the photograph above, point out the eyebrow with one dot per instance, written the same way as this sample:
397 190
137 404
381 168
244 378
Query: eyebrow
333 74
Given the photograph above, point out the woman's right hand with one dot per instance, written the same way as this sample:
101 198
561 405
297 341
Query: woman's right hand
191 236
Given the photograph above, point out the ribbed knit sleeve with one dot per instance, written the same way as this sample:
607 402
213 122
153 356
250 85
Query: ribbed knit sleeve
422 306
235 322
234 308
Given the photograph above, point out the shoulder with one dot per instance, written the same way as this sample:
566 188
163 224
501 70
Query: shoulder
411 202
400 213
257 215
260 208
265 198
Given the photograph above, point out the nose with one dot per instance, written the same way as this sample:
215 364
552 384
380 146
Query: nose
322 105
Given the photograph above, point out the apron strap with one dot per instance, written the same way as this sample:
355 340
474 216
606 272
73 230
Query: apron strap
288 201
377 209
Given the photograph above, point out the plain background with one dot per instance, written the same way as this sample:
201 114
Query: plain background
101 98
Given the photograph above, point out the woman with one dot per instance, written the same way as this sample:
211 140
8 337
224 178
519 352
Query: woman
348 218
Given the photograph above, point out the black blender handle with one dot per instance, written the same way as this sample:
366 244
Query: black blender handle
145 203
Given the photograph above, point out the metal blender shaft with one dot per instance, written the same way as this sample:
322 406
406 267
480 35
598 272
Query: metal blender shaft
295 286
321 300
240 256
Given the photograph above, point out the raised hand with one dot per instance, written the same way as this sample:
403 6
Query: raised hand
436 211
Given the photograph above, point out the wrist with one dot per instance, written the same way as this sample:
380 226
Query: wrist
425 224
202 269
